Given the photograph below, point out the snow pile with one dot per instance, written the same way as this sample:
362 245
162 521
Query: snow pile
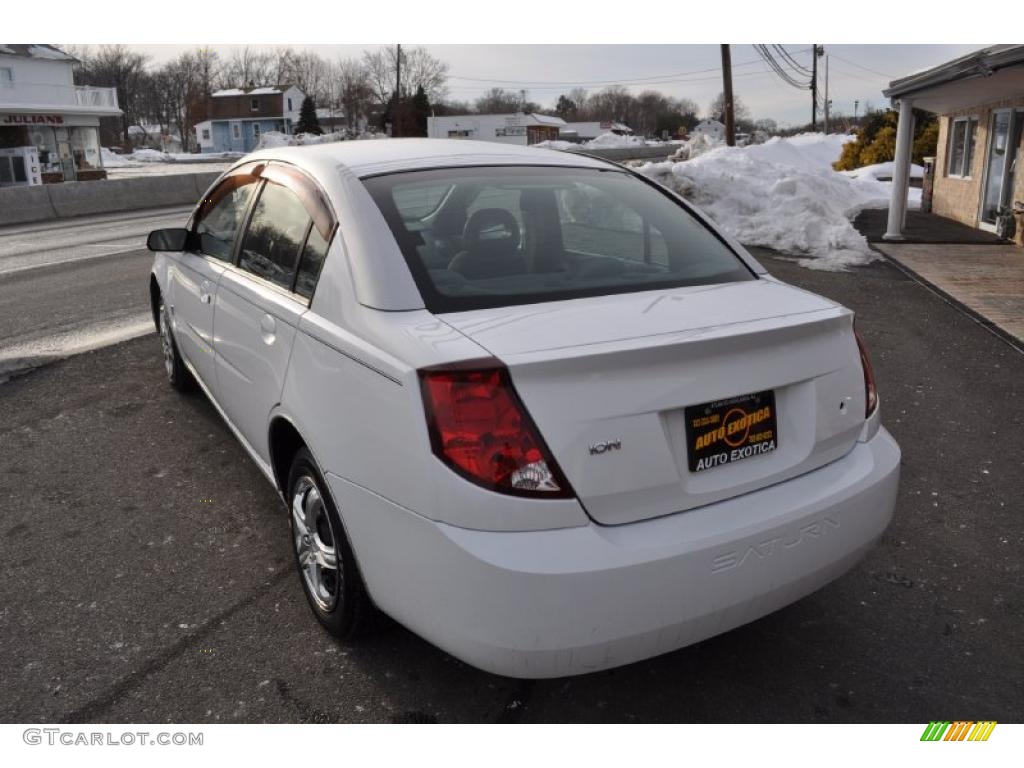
141 157
114 160
782 194
150 156
556 144
615 141
697 145
883 171
273 139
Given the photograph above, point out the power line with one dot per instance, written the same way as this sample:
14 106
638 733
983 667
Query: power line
778 68
861 66
533 88
653 79
792 62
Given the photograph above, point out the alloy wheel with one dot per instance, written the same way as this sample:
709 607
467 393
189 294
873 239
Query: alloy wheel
315 543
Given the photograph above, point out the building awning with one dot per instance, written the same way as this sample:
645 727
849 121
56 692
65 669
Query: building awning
984 76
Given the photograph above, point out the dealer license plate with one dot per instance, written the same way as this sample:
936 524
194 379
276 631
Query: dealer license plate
737 428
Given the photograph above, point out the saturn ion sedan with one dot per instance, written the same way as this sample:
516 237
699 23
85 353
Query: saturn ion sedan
530 404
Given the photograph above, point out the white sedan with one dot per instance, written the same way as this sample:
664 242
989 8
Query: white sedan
531 405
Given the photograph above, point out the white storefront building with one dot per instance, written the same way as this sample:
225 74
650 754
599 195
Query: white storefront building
49 127
522 128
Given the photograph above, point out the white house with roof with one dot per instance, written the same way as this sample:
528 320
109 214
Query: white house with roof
45 116
240 116
521 128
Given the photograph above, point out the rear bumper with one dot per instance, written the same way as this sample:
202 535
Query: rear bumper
575 600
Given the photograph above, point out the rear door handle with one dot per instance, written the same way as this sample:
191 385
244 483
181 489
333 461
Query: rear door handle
268 329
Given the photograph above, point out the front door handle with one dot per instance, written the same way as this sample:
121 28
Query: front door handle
205 292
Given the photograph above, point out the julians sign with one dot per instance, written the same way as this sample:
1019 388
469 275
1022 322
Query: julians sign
32 120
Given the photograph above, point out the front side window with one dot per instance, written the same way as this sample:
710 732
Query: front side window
962 135
221 215
276 231
518 235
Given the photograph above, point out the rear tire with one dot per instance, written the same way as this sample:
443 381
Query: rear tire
177 374
326 565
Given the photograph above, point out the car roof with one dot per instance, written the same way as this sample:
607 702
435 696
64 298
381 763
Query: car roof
376 156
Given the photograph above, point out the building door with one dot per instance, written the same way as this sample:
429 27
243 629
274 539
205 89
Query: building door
1000 164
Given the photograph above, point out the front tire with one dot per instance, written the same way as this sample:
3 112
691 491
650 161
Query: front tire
177 374
327 568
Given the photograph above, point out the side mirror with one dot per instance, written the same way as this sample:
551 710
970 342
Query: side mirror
176 239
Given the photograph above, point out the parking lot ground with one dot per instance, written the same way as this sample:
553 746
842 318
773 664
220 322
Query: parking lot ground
148 575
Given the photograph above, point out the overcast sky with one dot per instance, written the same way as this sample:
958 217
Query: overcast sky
856 72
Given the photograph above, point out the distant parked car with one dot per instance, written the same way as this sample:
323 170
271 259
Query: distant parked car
532 405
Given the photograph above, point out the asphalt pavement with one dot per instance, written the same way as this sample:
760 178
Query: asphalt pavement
73 285
148 575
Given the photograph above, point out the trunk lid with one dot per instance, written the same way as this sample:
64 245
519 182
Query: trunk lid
621 370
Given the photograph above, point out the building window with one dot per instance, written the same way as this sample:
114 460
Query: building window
289 105
256 131
206 134
963 133
85 147
236 130
6 75
254 105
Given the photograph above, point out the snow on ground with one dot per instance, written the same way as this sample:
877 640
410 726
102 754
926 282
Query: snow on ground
783 194
883 171
604 141
615 141
278 139
152 162
142 156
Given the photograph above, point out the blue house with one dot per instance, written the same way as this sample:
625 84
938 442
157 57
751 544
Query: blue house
240 116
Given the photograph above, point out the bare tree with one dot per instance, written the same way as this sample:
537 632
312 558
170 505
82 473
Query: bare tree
419 70
116 66
614 102
310 73
498 101
353 90
248 66
716 110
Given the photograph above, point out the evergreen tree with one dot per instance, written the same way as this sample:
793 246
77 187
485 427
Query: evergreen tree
420 111
308 122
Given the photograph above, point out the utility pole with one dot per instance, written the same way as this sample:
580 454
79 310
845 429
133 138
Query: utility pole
814 88
730 121
396 120
856 106
827 103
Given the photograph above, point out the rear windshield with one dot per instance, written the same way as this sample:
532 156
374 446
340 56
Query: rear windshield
496 236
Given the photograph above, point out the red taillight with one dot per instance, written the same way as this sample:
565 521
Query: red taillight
870 393
480 428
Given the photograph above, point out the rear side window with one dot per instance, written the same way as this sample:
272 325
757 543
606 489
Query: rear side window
277 229
222 214
509 235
